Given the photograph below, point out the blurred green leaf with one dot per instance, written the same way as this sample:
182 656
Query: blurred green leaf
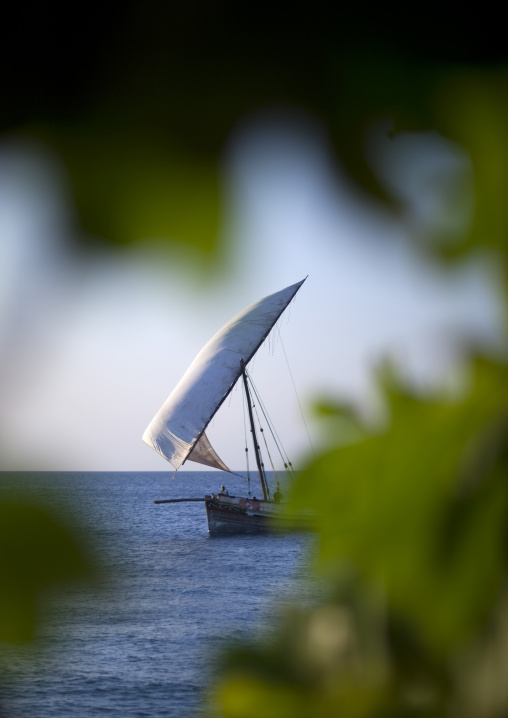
36 553
388 506
412 541
141 112
339 419
133 187
472 108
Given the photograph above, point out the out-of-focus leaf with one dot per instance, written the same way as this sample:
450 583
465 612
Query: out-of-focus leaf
472 108
340 419
142 100
136 188
389 506
329 660
36 553
412 536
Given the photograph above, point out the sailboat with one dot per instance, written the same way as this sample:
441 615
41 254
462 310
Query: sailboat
177 432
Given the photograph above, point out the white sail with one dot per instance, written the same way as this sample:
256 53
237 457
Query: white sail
177 430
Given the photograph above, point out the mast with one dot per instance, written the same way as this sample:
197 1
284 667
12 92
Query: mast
254 437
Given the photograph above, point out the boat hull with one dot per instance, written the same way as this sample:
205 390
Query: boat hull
230 515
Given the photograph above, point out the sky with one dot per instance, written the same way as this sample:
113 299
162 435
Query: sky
90 350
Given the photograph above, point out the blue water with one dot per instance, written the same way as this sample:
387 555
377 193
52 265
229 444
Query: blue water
142 640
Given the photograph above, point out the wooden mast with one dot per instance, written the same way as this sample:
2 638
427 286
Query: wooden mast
254 437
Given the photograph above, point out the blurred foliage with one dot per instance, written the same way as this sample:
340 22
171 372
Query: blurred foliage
37 553
430 491
138 100
412 523
130 184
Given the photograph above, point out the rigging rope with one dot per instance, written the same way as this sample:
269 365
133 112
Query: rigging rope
262 430
278 443
167 482
269 456
294 387
233 473
254 406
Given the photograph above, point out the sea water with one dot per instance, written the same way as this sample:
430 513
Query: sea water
141 640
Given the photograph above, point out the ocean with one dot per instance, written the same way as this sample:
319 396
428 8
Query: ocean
142 640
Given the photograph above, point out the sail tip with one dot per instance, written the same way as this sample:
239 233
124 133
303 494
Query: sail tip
299 284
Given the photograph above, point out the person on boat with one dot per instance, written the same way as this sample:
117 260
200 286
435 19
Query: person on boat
277 497
223 491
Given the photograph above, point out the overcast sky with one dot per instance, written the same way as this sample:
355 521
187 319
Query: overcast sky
90 351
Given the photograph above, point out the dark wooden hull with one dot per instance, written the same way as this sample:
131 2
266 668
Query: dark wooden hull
230 518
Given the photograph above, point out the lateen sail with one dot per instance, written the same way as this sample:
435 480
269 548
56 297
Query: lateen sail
177 430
